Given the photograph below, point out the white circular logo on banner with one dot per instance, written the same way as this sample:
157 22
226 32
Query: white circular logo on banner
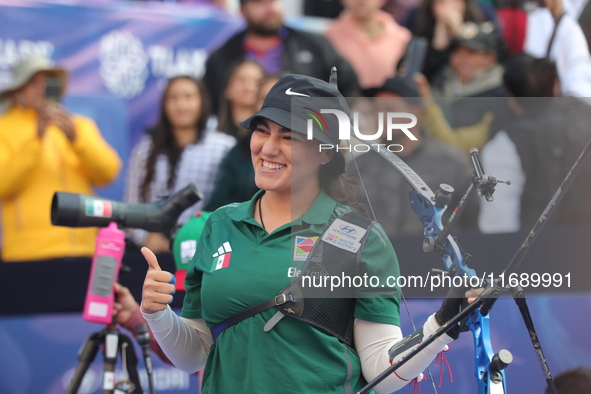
123 63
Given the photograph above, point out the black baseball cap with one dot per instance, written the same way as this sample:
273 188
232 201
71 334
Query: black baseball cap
477 37
401 86
295 99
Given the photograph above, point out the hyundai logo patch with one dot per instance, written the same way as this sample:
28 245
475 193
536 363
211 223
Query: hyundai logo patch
348 229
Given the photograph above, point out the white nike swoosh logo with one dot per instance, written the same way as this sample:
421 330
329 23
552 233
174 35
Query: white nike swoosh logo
290 93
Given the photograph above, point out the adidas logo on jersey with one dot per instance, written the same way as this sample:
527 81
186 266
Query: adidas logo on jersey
221 259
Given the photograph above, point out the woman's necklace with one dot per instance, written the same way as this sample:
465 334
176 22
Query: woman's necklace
261 212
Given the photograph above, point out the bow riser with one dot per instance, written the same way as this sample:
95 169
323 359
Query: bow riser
423 202
431 217
489 382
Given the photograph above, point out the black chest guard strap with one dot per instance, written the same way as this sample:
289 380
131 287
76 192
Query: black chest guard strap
311 298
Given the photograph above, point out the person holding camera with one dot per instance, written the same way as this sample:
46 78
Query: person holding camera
243 316
44 149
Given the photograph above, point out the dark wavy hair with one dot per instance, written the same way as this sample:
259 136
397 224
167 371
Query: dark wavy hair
342 188
163 141
527 76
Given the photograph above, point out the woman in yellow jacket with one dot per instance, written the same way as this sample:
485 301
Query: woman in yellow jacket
43 150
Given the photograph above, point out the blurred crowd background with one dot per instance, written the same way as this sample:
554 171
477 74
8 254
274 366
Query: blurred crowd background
168 82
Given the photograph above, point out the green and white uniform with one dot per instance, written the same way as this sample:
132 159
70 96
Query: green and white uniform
239 265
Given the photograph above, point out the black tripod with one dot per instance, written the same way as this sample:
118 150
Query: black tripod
114 342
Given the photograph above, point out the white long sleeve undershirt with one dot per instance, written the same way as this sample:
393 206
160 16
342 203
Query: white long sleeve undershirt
186 342
372 342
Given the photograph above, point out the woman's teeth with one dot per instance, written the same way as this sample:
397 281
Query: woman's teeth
272 166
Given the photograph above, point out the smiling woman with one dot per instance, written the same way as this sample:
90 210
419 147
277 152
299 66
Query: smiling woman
243 298
287 167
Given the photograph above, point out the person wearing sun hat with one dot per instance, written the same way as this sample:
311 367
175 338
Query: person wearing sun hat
242 318
44 149
26 69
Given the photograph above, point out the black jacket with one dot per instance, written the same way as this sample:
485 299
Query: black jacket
549 137
304 53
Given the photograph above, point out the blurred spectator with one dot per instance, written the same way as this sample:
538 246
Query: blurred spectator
369 39
568 48
277 48
235 179
550 29
44 149
573 381
432 160
536 150
240 96
527 25
473 68
438 21
180 149
473 71
434 121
